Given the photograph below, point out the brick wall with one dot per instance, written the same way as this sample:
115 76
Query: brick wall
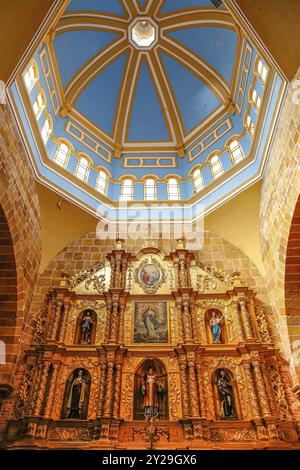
280 194
20 219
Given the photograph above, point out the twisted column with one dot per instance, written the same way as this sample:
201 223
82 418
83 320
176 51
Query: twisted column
194 401
262 395
109 390
187 322
121 324
62 332
101 390
251 391
237 315
180 321
52 389
117 391
246 319
41 388
184 389
202 404
114 322
57 315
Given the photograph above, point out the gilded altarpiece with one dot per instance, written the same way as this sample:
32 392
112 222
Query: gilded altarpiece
149 338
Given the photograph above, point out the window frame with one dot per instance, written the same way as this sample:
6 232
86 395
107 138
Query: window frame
170 193
86 169
102 189
62 164
154 186
220 172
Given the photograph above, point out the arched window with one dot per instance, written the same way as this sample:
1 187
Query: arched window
102 182
61 155
30 78
256 99
39 105
216 166
46 131
150 189
236 151
250 124
127 190
173 189
198 180
83 169
262 71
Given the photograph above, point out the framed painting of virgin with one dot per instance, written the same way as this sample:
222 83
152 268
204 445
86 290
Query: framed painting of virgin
151 322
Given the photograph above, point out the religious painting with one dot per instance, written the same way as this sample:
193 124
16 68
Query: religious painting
151 322
150 275
151 391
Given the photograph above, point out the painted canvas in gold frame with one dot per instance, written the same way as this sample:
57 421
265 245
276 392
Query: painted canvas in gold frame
151 323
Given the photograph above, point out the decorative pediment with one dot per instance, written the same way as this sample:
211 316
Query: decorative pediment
93 281
206 278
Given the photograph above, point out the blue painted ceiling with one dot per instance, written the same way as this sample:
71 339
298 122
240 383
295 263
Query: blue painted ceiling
148 120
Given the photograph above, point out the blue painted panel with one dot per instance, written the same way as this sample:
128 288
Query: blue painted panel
207 176
73 49
139 191
111 6
172 5
98 101
226 161
215 45
162 191
195 99
72 164
147 119
92 178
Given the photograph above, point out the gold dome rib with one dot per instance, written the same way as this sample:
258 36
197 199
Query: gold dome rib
129 7
154 7
167 100
93 68
197 16
90 20
126 96
196 65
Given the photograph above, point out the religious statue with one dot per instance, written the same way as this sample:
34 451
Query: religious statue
151 389
86 327
225 396
215 327
76 396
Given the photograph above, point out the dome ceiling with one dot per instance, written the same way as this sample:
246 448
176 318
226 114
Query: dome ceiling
176 92
162 91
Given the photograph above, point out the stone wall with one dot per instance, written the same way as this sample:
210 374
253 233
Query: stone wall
280 193
20 212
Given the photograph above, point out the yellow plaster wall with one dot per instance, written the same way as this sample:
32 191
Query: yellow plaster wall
20 20
237 221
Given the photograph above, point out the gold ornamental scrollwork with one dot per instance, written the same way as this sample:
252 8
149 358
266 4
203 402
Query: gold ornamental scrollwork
127 397
142 276
174 396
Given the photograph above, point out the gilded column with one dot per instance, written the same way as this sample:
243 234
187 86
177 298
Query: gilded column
121 324
109 316
237 315
187 322
180 320
246 318
114 321
52 389
251 390
184 388
101 390
265 375
202 404
193 395
117 392
57 316
41 388
62 332
109 390
263 399
53 305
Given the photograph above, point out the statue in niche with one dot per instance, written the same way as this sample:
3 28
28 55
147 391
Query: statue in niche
76 395
152 388
216 326
226 395
86 327
151 391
